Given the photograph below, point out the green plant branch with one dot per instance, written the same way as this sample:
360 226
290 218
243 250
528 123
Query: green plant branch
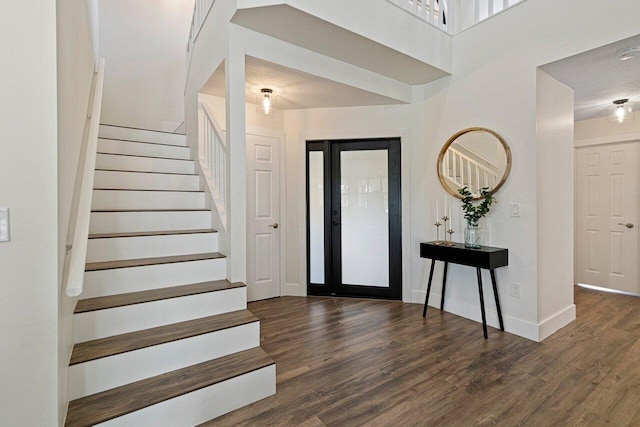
473 213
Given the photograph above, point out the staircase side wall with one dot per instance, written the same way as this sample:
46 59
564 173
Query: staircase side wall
28 175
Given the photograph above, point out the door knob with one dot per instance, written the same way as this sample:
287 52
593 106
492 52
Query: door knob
628 225
274 225
335 223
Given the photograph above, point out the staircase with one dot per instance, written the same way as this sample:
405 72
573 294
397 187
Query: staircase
161 337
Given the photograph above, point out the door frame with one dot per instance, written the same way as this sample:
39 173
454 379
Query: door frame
271 133
410 254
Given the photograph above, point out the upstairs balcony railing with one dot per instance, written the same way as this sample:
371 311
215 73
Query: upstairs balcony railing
451 16
454 16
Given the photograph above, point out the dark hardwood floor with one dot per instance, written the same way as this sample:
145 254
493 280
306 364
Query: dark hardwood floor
350 362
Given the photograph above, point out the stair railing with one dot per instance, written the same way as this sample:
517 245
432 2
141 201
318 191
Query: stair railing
462 170
432 11
200 11
454 16
212 155
77 250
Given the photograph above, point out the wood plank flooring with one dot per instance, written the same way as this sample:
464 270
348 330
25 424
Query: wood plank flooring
140 297
118 344
101 407
128 263
350 362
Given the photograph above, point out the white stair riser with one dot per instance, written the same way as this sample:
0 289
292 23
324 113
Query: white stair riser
105 323
128 199
143 164
125 280
145 181
143 149
110 372
134 222
121 248
201 405
116 132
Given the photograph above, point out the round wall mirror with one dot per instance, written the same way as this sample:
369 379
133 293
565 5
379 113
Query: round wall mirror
475 158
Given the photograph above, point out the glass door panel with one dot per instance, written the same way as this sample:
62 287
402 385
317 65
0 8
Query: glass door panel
316 195
364 205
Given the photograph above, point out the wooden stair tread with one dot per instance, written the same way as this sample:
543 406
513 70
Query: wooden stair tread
151 233
100 138
142 129
140 297
109 346
159 173
101 407
145 157
151 210
109 265
148 189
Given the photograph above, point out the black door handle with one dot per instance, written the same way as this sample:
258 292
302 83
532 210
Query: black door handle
335 223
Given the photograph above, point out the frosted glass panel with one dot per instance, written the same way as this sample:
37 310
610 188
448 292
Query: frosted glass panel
365 217
316 216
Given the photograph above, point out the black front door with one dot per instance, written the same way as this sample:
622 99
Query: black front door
354 242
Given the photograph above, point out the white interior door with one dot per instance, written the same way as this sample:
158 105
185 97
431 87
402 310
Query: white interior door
263 217
606 216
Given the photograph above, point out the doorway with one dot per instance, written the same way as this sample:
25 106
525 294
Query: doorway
263 216
354 231
606 216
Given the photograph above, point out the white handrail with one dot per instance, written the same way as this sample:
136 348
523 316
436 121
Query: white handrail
212 156
78 256
463 170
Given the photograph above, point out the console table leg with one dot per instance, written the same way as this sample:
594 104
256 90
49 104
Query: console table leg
484 317
426 300
444 285
495 294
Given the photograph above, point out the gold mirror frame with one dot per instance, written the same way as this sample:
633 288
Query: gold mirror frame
455 136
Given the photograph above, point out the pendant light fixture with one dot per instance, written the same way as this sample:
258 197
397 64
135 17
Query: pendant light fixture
266 99
622 109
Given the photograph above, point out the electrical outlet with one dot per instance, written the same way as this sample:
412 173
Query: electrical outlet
514 290
4 225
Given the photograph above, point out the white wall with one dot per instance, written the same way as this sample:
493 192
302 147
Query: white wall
144 45
554 124
404 121
28 185
75 74
603 130
494 85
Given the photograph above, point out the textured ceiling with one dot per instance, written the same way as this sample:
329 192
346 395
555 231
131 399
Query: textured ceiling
294 89
599 78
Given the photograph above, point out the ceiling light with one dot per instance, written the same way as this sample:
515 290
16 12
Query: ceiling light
623 109
266 99
628 53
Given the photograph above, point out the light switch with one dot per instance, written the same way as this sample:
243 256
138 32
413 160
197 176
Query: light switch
515 210
4 225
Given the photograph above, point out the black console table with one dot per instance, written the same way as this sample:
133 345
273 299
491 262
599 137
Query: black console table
487 257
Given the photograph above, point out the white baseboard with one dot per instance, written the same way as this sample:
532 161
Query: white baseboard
556 322
512 324
291 289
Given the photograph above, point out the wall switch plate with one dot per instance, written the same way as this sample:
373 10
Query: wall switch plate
4 225
515 210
